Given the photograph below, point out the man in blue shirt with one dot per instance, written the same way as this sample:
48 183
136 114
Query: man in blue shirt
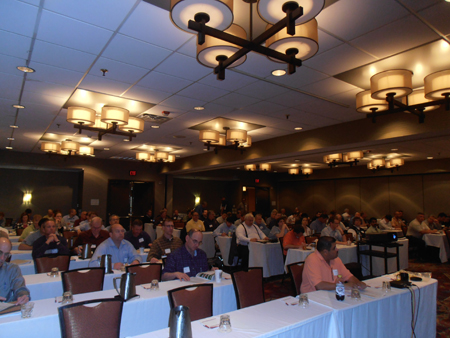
319 224
225 228
120 249
188 260
333 230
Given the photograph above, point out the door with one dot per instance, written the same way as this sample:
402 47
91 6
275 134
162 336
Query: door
262 200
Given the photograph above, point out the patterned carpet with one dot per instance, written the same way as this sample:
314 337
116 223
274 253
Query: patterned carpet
274 289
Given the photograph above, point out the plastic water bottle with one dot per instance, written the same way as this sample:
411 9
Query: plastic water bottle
340 291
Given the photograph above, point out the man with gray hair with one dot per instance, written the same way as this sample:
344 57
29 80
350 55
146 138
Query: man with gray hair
94 236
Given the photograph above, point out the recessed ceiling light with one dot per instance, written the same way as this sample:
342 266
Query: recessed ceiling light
155 127
394 149
275 171
278 72
105 148
177 155
238 168
205 149
9 148
429 157
13 126
98 114
18 106
25 69
298 128
297 160
126 140
199 108
10 138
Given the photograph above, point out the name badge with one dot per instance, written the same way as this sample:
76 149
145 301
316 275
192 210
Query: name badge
186 269
167 251
261 227
210 225
335 272
141 240
51 251
93 246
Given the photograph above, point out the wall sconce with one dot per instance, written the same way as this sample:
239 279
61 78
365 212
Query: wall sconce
244 188
197 200
27 198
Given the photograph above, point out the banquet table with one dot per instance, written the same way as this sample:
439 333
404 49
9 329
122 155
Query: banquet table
150 230
147 313
15 245
14 238
440 241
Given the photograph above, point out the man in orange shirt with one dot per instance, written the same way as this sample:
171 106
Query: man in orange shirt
323 266
294 239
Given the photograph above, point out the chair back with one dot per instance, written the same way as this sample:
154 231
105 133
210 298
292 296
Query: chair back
145 272
83 280
103 320
356 269
178 224
404 229
447 232
296 272
198 297
69 234
183 234
282 248
45 264
347 237
310 239
248 287
8 222
19 231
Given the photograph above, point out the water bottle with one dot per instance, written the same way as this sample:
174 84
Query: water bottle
340 291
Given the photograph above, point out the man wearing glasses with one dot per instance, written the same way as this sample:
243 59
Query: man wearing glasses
188 260
12 286
164 245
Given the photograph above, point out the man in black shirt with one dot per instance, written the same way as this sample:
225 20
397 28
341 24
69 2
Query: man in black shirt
138 237
50 243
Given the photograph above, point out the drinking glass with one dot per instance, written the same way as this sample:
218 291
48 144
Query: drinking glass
67 298
303 300
54 272
386 287
154 285
356 295
426 276
26 309
225 323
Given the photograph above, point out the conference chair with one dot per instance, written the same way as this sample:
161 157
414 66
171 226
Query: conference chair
296 272
347 237
355 269
198 297
102 320
145 272
248 287
311 239
19 231
83 280
45 264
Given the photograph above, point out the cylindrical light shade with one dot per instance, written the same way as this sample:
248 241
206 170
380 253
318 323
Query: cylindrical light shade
171 158
355 155
437 84
213 47
248 143
81 115
272 10
236 135
307 171
50 147
398 81
265 167
364 103
378 162
161 155
142 156
244 188
151 158
70 146
332 157
220 12
222 141
293 171
395 162
370 166
250 167
100 124
211 136
86 150
135 125
418 97
115 115
305 41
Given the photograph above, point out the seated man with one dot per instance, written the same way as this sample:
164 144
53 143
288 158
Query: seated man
195 223
50 243
188 260
245 233
273 214
31 228
94 236
210 222
321 265
416 229
356 230
31 238
274 221
137 236
385 223
319 224
397 222
431 221
69 220
332 230
86 224
121 251
240 218
373 227
83 217
113 219
148 217
50 214
259 222
12 287
225 229
176 216
294 239
164 245
222 219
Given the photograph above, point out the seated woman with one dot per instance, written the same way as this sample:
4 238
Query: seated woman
294 239
23 221
305 224
279 230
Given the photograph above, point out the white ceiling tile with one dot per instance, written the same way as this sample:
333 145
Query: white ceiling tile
262 90
217 109
37 104
189 48
62 57
17 17
322 108
438 16
153 24
14 44
409 32
202 92
138 53
8 65
10 88
328 87
288 126
339 59
76 34
6 107
236 100
348 97
164 82
326 42
158 109
420 4
102 84
259 65
301 77
47 88
290 99
93 12
265 107
61 126
146 95
233 81
182 102
47 73
118 71
360 16
183 66
306 120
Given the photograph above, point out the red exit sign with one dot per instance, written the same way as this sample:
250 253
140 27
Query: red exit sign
132 172
256 180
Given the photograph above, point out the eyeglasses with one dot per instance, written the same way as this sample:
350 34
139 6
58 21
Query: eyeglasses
169 225
5 255
197 242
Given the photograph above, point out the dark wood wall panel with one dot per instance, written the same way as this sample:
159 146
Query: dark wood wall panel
375 196
435 191
348 195
406 193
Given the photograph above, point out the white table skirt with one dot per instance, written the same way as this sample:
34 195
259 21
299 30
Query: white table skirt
15 245
14 238
224 243
147 313
148 228
281 321
440 241
21 254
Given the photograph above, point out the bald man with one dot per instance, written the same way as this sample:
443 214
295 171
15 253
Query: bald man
12 286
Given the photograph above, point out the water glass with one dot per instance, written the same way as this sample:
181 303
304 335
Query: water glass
67 298
386 287
225 323
154 285
26 309
356 295
303 300
54 272
141 250
426 276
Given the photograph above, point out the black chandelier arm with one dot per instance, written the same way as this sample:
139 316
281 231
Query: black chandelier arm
102 131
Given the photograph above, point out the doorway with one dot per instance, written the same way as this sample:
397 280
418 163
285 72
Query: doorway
262 201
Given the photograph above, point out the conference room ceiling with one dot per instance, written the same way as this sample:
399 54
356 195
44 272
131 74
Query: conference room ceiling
151 61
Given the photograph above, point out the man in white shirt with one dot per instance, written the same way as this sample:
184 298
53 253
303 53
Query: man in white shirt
385 223
245 233
69 220
416 229
222 219
346 215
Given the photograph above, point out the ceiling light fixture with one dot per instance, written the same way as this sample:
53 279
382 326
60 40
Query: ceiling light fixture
14 126
18 106
158 156
351 158
429 157
10 138
155 127
237 137
298 128
379 164
305 171
223 44
9 148
278 72
26 69
389 86
199 108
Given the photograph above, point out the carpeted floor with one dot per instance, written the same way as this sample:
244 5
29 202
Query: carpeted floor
274 289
